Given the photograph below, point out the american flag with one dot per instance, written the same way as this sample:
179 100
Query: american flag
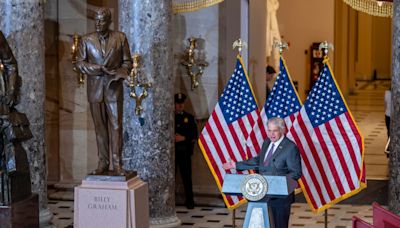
330 144
224 136
282 102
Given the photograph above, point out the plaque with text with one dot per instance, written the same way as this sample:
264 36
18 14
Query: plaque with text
114 204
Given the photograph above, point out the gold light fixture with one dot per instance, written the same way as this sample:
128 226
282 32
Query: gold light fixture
381 8
184 6
136 82
194 62
74 51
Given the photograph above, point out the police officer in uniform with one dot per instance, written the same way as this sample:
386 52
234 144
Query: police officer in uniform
185 136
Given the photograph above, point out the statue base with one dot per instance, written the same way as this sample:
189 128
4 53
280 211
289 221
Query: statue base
111 176
24 213
111 203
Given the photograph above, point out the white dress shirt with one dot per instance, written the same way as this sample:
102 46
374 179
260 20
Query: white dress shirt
276 144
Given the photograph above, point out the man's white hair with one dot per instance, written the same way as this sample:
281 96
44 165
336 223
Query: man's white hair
277 121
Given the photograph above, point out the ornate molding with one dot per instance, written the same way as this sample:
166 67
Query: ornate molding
184 6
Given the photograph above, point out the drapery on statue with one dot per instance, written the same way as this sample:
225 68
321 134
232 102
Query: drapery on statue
272 34
104 56
14 129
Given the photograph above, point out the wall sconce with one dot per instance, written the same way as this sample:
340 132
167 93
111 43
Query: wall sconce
194 64
135 81
74 51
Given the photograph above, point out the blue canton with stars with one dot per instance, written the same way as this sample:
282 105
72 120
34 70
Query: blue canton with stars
282 101
237 99
324 101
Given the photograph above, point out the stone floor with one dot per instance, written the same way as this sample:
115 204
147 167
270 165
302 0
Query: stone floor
207 217
367 106
368 110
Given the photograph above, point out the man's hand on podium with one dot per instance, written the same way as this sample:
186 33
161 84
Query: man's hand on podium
229 165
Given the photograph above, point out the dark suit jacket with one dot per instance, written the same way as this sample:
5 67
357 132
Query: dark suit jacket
285 161
185 125
90 59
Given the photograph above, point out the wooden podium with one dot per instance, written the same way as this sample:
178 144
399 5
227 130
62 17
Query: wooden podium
102 203
257 211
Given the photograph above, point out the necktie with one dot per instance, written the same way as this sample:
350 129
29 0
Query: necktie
103 45
269 155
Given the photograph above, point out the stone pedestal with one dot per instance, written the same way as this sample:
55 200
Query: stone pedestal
24 213
111 204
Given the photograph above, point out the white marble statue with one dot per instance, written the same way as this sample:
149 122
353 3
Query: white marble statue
273 33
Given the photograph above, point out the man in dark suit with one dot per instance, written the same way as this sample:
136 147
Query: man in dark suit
104 57
278 156
269 76
185 136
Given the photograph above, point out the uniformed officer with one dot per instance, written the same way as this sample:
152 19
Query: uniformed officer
185 136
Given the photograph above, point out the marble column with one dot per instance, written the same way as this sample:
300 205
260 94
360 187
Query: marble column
257 48
394 158
22 22
148 144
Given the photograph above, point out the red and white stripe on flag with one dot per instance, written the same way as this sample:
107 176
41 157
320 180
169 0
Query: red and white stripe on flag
224 136
330 144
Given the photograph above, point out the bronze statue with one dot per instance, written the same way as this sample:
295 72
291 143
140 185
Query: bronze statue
104 57
8 81
14 129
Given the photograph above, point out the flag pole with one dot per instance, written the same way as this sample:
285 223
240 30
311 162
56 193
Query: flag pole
326 218
233 218
240 44
281 45
325 46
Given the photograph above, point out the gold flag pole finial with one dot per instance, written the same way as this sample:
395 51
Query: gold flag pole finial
325 46
281 45
240 44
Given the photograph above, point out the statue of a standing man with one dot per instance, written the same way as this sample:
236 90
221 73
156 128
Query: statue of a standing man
104 57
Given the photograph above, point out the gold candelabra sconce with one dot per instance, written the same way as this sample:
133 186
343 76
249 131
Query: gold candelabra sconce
74 51
194 61
137 82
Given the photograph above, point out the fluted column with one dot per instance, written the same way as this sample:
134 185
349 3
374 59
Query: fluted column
148 146
394 161
22 23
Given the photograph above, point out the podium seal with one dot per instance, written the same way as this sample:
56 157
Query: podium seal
254 187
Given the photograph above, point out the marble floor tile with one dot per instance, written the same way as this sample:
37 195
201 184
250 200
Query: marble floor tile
211 217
